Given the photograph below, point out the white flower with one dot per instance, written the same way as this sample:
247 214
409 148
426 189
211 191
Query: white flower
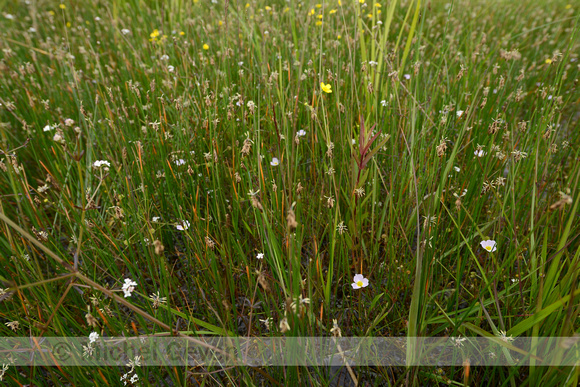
458 341
156 219
489 245
384 102
47 128
260 256
128 287
170 68
240 63
183 225
274 162
502 335
457 169
301 133
94 335
479 153
407 76
459 113
97 18
179 162
125 31
353 141
359 281
102 164
165 57
9 16
134 378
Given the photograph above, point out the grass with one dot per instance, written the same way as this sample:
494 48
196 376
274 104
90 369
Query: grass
190 102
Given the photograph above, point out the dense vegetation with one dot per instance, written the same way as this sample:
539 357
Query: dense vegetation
239 163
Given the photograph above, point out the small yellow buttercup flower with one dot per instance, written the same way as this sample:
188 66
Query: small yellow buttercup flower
548 61
312 11
326 88
205 47
62 6
319 23
332 11
181 33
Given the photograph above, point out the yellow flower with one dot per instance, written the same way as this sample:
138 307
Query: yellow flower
332 11
311 11
318 5
548 61
182 33
361 1
51 13
370 15
378 11
154 34
220 23
319 23
319 16
338 37
68 24
377 5
339 3
568 6
268 8
62 6
247 5
325 88
205 47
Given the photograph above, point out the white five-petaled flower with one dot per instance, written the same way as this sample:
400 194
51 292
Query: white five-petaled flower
459 113
383 103
179 162
183 225
128 287
359 281
489 245
164 57
301 133
479 153
47 128
93 337
125 31
274 162
260 256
